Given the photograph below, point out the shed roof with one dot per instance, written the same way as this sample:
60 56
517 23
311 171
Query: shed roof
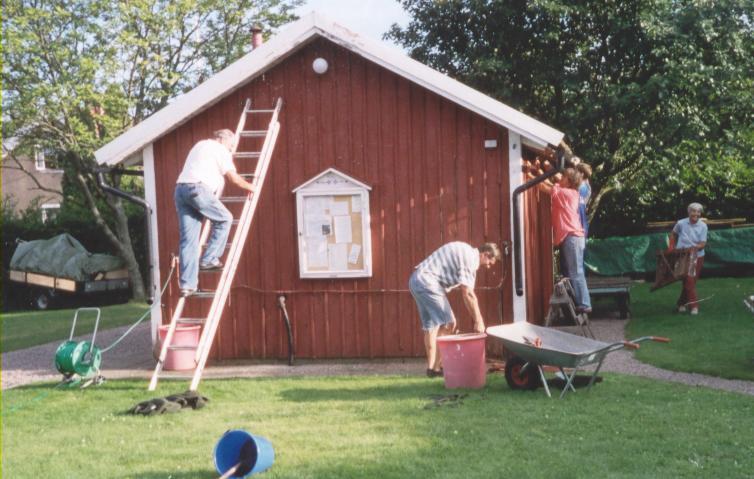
298 33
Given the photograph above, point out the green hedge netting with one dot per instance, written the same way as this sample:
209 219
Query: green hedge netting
637 254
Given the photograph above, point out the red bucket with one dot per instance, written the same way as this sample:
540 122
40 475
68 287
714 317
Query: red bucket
463 360
181 360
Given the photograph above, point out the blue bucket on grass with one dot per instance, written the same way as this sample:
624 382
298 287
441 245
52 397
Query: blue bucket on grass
255 453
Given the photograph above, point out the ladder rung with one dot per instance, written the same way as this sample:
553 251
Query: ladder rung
254 133
191 321
235 222
247 154
202 294
233 199
260 111
247 175
187 374
182 348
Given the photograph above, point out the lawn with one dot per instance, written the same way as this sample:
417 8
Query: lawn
23 329
378 427
718 342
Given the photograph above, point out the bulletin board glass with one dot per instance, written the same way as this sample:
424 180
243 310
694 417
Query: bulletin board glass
333 233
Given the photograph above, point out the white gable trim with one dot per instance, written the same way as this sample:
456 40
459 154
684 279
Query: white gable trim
354 182
182 108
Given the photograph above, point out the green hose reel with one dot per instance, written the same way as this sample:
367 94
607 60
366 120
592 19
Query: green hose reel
80 360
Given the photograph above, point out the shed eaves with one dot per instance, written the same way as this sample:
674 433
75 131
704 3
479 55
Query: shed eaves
181 109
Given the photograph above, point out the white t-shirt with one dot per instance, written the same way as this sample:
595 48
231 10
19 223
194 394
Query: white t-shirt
207 162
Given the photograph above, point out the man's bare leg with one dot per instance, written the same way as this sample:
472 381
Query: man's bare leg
430 346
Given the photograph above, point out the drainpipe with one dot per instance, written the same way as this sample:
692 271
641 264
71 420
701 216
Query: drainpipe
560 165
147 209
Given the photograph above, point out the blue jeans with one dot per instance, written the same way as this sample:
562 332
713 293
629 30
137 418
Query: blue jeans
193 203
572 257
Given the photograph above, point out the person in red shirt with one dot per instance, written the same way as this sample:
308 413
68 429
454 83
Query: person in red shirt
568 235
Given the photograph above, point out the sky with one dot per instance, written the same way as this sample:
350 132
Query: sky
370 18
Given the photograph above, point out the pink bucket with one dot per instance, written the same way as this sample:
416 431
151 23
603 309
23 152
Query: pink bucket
181 360
463 360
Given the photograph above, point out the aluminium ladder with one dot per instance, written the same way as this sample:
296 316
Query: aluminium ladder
234 249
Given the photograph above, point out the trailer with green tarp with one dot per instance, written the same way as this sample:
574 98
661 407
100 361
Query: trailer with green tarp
60 266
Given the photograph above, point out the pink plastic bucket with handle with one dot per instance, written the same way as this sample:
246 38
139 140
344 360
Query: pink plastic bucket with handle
463 360
181 360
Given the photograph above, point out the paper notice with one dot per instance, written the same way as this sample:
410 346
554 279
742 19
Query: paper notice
356 203
338 253
339 208
316 205
318 225
353 256
316 252
342 229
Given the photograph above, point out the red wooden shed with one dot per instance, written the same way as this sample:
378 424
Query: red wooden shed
437 159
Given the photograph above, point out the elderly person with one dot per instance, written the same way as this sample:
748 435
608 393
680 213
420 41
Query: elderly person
200 183
690 232
568 235
452 265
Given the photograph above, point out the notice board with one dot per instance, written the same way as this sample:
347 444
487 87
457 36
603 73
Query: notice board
333 229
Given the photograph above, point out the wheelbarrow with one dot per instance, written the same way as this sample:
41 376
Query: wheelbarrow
533 346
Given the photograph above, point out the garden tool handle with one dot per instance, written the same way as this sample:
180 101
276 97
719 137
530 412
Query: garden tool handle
629 344
660 339
230 472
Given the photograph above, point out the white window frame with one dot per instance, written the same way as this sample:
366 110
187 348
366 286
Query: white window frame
39 159
48 206
346 186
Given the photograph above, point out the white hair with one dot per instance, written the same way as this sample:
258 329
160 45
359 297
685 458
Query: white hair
223 134
695 207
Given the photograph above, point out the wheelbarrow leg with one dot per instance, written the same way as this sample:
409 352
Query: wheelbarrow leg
544 381
594 376
569 382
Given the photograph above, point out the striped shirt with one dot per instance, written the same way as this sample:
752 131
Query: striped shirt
451 265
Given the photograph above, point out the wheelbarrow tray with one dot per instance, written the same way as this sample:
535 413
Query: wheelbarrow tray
558 348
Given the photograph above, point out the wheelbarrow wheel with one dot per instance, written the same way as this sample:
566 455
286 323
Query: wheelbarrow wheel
519 378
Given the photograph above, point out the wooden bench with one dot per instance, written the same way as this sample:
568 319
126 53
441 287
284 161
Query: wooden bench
614 287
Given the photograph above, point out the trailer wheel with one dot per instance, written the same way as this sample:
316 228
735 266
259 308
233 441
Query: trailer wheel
42 299
519 378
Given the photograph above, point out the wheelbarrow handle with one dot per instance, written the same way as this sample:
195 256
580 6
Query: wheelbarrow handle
660 339
630 345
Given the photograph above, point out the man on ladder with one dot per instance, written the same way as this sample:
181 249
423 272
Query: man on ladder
197 197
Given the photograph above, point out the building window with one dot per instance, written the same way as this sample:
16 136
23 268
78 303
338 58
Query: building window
49 211
334 238
39 158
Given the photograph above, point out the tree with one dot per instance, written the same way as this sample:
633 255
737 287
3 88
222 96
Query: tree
77 73
655 94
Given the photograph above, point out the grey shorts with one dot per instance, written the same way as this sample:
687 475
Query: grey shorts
432 302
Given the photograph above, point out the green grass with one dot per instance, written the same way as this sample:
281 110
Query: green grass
23 329
718 342
378 427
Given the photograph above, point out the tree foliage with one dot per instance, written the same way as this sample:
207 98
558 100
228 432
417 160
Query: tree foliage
656 94
77 73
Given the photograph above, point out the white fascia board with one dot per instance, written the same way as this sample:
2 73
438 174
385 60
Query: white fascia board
398 62
150 195
515 177
188 105
184 107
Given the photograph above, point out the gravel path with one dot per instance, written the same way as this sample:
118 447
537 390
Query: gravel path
132 358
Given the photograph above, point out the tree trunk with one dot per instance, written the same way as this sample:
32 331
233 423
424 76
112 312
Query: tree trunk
125 247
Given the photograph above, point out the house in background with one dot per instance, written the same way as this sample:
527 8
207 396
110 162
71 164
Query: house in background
408 158
22 178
